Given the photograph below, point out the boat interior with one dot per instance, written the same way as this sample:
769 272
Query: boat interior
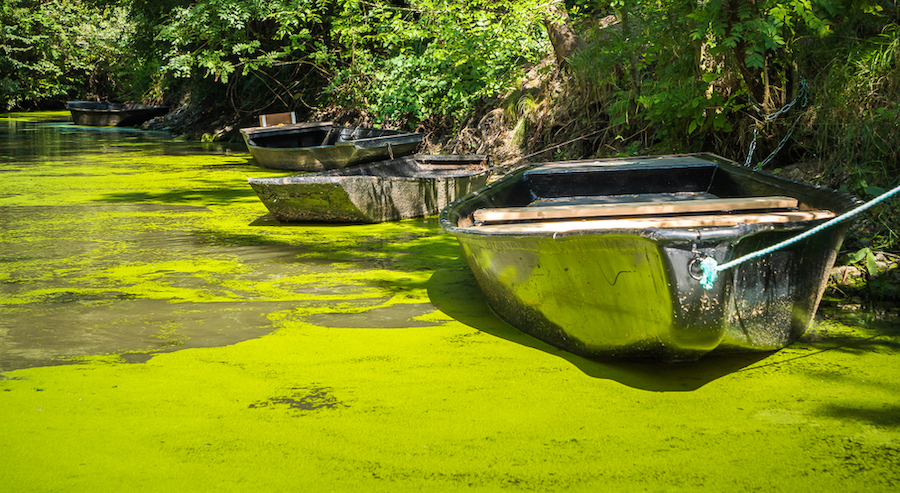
285 136
671 192
425 166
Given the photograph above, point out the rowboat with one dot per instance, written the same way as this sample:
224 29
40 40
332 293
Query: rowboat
602 258
389 190
324 146
98 114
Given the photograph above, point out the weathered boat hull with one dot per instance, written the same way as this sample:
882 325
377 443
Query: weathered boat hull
609 291
112 114
384 191
323 146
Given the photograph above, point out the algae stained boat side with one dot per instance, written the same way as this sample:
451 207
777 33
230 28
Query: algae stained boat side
410 186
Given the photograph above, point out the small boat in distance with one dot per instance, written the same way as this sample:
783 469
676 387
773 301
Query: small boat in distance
602 257
390 190
323 146
101 114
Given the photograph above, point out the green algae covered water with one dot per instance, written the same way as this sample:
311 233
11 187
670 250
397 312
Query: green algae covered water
158 331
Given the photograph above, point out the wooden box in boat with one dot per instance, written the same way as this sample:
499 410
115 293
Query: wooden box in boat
324 146
390 190
601 257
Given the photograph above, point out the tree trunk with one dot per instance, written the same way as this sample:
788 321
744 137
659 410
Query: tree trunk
562 35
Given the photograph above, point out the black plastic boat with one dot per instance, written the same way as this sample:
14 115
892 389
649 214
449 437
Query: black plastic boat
324 146
112 114
602 257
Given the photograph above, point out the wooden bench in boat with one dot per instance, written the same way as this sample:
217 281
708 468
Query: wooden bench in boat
552 212
700 221
700 213
273 119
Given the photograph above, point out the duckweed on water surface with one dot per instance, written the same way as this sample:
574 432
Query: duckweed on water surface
363 358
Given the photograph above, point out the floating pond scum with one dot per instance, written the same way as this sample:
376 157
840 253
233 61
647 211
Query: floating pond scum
345 358
603 257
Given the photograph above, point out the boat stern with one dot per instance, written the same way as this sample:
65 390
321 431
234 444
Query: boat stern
602 296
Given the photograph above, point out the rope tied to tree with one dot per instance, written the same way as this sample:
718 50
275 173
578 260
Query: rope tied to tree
711 267
802 95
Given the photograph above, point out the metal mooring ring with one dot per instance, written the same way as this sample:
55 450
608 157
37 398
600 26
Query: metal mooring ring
695 270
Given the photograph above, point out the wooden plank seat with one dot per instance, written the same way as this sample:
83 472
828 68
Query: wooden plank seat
586 211
273 119
692 221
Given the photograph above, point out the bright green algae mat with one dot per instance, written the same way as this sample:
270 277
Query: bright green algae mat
375 364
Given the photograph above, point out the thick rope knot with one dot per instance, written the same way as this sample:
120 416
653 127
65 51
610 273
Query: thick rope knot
710 272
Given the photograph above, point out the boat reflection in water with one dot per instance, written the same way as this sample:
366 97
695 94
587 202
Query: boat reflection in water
602 257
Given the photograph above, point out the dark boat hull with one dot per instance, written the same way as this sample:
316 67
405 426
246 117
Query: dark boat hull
323 146
634 292
112 114
384 191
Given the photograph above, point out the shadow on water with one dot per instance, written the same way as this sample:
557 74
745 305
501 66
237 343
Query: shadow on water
857 331
220 195
455 292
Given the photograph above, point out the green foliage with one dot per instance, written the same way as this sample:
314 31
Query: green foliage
680 75
433 58
866 257
402 64
761 40
646 71
216 38
57 49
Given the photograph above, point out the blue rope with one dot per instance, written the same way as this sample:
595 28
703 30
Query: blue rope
711 268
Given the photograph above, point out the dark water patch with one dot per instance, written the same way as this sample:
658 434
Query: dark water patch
131 283
61 331
303 399
390 317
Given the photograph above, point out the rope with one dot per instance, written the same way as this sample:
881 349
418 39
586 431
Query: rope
711 268
507 166
803 94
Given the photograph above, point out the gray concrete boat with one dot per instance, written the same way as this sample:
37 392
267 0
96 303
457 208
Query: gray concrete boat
602 257
389 190
99 114
324 146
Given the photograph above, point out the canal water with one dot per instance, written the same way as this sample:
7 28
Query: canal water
159 332
131 243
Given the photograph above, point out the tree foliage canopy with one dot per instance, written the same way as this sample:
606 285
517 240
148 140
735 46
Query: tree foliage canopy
400 61
51 49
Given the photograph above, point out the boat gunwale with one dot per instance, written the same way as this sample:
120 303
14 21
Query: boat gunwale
402 138
119 107
342 174
656 233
